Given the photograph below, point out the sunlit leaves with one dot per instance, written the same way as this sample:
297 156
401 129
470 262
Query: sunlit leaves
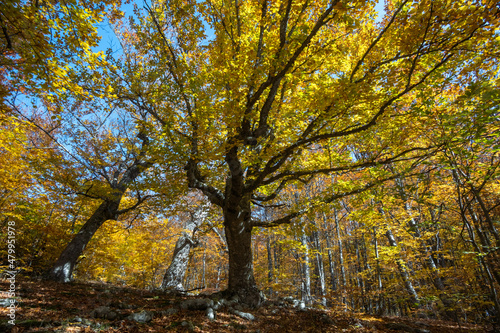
45 45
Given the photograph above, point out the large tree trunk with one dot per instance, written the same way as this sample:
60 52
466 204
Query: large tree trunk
64 266
236 207
239 242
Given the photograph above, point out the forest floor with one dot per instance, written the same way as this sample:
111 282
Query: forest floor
51 307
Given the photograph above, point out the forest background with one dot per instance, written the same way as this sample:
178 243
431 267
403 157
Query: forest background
326 150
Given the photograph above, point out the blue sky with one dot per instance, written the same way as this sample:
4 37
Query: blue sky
109 39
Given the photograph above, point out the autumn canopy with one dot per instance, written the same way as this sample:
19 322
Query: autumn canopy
344 152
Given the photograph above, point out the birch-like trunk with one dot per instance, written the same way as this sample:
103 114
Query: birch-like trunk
306 278
403 271
320 266
176 271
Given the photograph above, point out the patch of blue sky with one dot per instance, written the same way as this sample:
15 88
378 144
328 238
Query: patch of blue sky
106 31
109 40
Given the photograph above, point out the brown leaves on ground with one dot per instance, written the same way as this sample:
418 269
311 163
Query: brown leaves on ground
53 307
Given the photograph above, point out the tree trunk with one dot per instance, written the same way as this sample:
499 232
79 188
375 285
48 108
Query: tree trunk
172 280
341 254
239 242
108 210
174 276
306 279
404 272
331 263
320 266
270 266
64 266
204 269
379 275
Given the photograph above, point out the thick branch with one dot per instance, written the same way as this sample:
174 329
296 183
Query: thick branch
195 180
355 166
288 218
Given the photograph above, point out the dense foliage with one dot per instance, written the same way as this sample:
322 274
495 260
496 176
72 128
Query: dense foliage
337 151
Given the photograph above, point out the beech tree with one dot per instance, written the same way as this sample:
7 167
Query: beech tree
95 158
257 96
352 154
115 186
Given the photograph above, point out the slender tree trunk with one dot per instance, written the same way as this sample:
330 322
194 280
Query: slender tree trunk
341 253
331 263
485 265
437 281
403 271
63 268
486 214
306 279
368 282
204 269
486 247
343 279
380 307
320 266
448 303
357 276
217 282
277 255
270 274
379 271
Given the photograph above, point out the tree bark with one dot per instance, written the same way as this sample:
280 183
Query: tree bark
331 263
320 266
172 280
63 268
306 278
241 278
404 272
174 276
235 204
341 254
270 266
379 275
108 210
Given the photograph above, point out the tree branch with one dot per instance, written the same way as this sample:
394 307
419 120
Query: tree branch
288 218
195 180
